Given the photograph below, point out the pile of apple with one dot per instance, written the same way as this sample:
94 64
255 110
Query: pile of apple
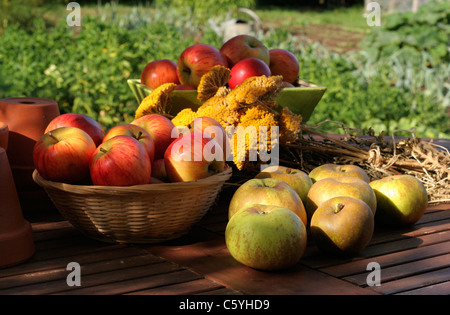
244 55
270 215
75 149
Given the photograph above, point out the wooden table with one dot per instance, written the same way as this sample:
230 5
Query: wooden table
413 260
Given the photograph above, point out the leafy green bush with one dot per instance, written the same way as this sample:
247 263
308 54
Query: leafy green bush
85 70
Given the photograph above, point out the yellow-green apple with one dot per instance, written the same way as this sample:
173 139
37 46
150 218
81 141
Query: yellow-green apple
160 128
401 200
84 122
196 60
159 170
336 170
193 156
212 128
267 191
159 72
295 178
135 131
247 68
244 46
120 161
63 154
349 186
266 237
342 225
283 62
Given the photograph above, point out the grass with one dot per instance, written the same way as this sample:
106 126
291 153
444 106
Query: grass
350 19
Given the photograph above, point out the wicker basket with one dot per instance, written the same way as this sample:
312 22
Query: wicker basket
135 214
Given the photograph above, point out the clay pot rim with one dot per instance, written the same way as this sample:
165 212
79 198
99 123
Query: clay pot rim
27 101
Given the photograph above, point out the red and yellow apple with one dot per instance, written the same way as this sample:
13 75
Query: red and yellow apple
342 225
401 200
139 133
266 237
160 128
283 62
63 154
244 46
247 68
196 60
336 170
295 178
84 122
267 191
159 72
212 128
193 156
349 186
120 161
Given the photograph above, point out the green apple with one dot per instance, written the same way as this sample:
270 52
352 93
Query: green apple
342 225
266 237
401 200
295 178
267 191
327 188
336 170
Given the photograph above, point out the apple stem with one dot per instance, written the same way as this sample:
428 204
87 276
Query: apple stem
139 135
53 137
103 150
340 206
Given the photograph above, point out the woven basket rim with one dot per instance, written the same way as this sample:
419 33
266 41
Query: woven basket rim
84 189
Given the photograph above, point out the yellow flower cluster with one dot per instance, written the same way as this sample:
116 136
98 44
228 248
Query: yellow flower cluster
250 104
157 101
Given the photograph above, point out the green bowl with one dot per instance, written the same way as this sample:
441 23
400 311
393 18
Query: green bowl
301 100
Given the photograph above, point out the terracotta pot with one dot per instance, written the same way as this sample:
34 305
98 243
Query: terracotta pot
27 118
16 237
4 131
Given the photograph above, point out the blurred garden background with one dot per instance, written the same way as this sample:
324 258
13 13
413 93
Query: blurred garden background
389 77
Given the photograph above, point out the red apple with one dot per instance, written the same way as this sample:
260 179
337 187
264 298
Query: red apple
120 161
267 191
63 154
196 60
244 46
84 122
342 225
159 72
246 68
160 128
135 131
212 128
193 156
283 62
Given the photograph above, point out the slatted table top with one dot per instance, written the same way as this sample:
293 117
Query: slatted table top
414 260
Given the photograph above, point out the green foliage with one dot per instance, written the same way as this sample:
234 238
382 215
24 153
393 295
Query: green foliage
85 70
200 11
407 34
18 12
